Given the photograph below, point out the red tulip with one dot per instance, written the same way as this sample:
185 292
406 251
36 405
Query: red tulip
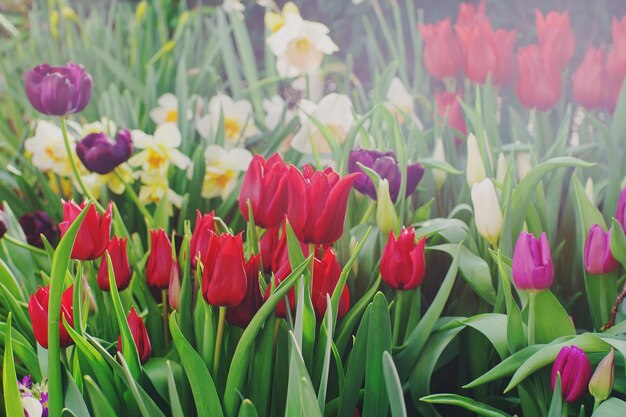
93 235
241 314
281 309
38 311
616 62
174 287
589 80
443 57
539 81
265 187
121 267
479 51
403 264
506 63
449 108
556 37
224 277
160 262
326 274
317 203
268 245
140 336
201 236
470 16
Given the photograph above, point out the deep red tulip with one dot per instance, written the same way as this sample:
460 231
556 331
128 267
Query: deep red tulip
539 82
589 80
597 256
174 287
403 263
268 245
449 108
93 235
160 262
224 277
121 267
532 267
38 311
573 365
317 203
278 277
241 314
443 57
480 55
140 336
556 37
265 186
326 274
201 235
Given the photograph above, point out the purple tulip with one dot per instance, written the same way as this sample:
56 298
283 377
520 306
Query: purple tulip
598 257
620 213
532 263
573 365
386 165
58 91
100 154
37 224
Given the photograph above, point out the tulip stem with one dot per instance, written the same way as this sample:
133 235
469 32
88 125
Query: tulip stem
368 212
25 245
596 403
165 328
70 156
218 340
531 317
397 318
135 199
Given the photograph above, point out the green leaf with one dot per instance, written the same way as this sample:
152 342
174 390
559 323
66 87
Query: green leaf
431 163
177 409
515 333
611 408
308 400
557 403
618 242
560 324
11 395
247 409
202 385
467 403
99 403
394 387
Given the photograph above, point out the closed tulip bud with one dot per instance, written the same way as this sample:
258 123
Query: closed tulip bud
443 57
36 224
601 383
160 262
475 170
597 256
539 83
100 154
281 309
93 235
589 80
524 164
386 216
224 277
317 203
591 195
403 263
58 91
268 244
121 267
38 311
265 186
556 36
449 108
620 213
326 273
241 314
174 287
502 168
573 365
140 336
487 213
532 263
201 235
439 154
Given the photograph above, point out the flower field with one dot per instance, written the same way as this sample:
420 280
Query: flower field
315 208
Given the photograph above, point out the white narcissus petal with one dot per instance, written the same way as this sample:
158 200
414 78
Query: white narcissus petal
399 97
32 407
179 159
141 139
168 135
159 115
203 126
169 101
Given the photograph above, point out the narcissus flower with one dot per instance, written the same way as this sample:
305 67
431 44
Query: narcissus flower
274 21
401 103
224 280
121 267
317 203
167 110
403 263
93 235
265 187
47 149
58 91
241 314
573 365
326 272
140 336
598 257
158 151
38 311
532 263
100 154
277 110
443 57
487 213
160 262
237 116
222 170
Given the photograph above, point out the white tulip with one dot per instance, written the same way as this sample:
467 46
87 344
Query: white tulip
487 213
503 167
524 164
439 154
475 169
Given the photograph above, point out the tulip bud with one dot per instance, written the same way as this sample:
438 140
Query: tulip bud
601 383
121 267
140 336
174 287
443 57
268 244
93 235
160 262
241 314
38 311
279 276
386 217
439 154
326 273
573 365
597 255
532 263
224 277
36 224
100 154
620 213
475 170
201 236
589 191
502 168
524 164
4 224
487 213
403 263
556 37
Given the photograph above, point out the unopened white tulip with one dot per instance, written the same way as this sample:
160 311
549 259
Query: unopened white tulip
524 164
475 169
487 213
439 154
589 190
503 167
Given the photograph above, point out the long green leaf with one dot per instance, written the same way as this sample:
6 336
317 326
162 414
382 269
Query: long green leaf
12 398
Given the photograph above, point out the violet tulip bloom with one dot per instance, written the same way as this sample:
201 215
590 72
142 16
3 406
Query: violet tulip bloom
597 257
102 155
573 365
532 263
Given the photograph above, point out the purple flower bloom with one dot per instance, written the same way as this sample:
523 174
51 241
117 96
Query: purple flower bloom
532 263
386 165
58 91
573 365
100 154
597 257
37 224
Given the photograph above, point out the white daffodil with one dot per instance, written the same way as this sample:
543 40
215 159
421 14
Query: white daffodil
103 125
400 103
47 148
334 111
233 6
238 120
94 182
154 187
276 109
158 151
222 170
167 110
300 45
274 21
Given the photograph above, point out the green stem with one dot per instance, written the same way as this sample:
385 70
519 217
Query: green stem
397 318
25 245
77 175
596 403
218 340
368 212
531 317
165 318
135 199
565 409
